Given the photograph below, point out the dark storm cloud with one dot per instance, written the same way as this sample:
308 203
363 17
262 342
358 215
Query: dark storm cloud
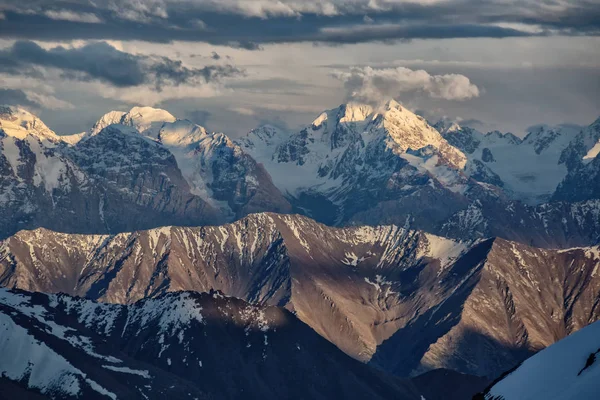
16 97
250 24
102 62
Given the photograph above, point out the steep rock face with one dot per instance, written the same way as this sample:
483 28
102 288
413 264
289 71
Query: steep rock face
48 353
581 158
38 185
184 345
551 225
370 291
140 179
520 300
491 214
228 178
112 182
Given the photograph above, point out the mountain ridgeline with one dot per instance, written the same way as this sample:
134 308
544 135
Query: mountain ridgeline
353 165
404 301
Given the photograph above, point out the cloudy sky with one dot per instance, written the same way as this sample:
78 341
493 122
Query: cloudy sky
232 65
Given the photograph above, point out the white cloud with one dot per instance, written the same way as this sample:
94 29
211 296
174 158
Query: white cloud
48 101
374 86
37 91
66 15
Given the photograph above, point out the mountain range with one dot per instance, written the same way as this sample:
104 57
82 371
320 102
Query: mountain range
402 300
430 252
353 165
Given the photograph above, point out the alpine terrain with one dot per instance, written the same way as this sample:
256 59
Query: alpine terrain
368 254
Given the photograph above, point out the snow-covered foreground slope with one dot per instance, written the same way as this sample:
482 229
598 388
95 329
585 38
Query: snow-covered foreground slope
567 370
180 346
46 351
403 300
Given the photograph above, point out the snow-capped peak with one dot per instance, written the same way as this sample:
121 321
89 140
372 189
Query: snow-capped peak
147 120
317 123
355 112
410 131
110 118
154 123
19 123
393 104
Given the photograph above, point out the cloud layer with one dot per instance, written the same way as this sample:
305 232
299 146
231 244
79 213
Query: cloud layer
373 86
248 24
102 62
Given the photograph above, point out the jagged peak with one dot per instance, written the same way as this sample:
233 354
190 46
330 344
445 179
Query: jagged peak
155 123
355 112
20 123
409 130
393 105
147 120
320 120
345 113
149 114
506 136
